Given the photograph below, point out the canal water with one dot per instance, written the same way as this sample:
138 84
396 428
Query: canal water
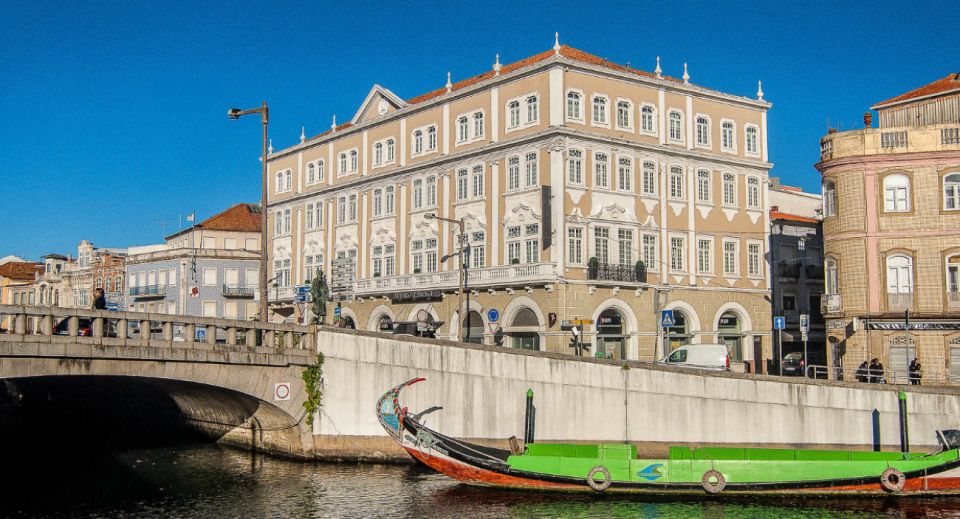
211 482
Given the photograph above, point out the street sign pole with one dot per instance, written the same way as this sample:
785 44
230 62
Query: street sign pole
780 351
804 329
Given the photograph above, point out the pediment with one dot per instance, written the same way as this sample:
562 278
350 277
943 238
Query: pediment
380 101
521 212
612 211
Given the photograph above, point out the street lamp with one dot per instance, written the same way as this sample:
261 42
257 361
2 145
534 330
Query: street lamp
462 286
236 113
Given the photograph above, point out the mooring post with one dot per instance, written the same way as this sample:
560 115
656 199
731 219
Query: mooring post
530 418
904 430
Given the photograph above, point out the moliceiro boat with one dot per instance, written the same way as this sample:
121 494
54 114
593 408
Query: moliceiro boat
616 467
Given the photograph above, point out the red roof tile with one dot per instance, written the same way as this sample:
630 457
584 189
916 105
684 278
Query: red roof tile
241 217
947 84
777 215
20 270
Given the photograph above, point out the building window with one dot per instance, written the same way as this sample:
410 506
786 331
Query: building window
951 192
477 181
417 193
318 219
389 198
391 150
829 199
513 114
703 186
575 245
384 263
676 126
416 256
462 129
431 138
462 184
677 254
311 173
601 171
288 179
353 161
730 261
753 260
831 282
625 174
600 110
703 130
648 123
601 249
532 110
899 274
650 251
574 106
533 250
281 272
896 190
377 202
531 167
417 142
625 246
431 191
624 109
728 137
513 173
705 255
312 266
676 182
575 167
753 193
278 223
953 278
729 189
513 247
649 186
378 154
751 140
478 249
478 125
309 214
430 254
352 207
286 222
342 209
342 164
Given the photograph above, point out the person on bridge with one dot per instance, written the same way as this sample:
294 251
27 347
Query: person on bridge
862 371
99 300
916 372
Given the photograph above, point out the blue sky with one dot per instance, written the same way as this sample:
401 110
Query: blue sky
112 114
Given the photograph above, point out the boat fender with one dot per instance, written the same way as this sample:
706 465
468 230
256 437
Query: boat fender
892 480
599 486
713 481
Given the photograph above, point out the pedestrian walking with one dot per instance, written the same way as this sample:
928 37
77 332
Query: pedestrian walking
99 300
916 372
861 372
874 371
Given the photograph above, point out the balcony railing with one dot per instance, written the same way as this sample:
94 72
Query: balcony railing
148 291
899 302
478 277
950 136
789 270
893 139
814 271
953 300
281 293
616 272
237 291
830 304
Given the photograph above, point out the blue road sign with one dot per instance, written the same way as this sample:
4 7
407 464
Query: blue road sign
303 289
336 311
493 315
666 318
201 334
779 322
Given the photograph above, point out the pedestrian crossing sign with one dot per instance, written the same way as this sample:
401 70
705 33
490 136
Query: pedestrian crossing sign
666 318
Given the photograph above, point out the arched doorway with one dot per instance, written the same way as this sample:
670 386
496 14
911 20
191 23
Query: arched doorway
473 327
349 324
611 335
523 330
729 333
679 334
385 324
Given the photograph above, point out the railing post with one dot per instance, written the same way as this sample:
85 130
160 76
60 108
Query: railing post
232 335
189 332
252 337
211 335
144 332
96 328
288 340
167 328
73 326
268 340
20 324
46 325
122 332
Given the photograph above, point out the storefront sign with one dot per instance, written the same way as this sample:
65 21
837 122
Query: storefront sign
610 320
915 325
836 324
415 296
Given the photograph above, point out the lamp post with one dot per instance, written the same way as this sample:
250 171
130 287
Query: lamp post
462 286
236 113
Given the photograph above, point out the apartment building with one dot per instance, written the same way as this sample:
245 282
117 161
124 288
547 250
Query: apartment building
584 189
210 269
891 207
16 285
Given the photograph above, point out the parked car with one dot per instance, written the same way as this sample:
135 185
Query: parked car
84 327
793 365
701 356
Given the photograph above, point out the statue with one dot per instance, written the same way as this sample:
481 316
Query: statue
320 294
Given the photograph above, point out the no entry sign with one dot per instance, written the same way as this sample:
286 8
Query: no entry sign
281 391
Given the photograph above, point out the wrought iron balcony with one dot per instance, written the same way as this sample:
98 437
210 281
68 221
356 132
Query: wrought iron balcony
238 291
830 304
616 272
148 291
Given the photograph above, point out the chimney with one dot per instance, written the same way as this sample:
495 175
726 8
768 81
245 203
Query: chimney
775 208
831 130
867 119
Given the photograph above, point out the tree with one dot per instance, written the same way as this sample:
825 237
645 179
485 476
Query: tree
320 294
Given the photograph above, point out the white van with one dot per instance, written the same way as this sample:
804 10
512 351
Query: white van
701 356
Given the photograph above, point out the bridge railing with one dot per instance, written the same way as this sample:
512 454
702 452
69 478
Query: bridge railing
149 329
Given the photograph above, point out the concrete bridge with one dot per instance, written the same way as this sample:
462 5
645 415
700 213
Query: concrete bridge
216 377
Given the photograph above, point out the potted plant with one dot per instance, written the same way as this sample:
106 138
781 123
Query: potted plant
640 269
593 268
376 274
515 261
416 271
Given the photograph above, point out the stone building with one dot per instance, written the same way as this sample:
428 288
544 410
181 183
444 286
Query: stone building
16 285
891 207
585 189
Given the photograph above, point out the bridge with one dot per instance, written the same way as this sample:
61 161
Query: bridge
237 382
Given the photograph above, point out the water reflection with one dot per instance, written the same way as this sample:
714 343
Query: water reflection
210 481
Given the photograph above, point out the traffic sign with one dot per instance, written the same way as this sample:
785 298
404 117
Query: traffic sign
303 289
581 322
779 322
281 391
666 318
336 312
201 334
804 323
493 315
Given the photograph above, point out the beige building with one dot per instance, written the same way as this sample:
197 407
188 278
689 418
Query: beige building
586 190
891 207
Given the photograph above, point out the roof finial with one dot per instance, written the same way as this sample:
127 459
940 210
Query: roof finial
496 66
556 44
760 90
449 84
333 125
303 134
658 71
686 76
270 148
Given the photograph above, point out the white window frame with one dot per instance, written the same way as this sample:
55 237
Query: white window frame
513 177
901 272
676 194
754 192
430 191
385 159
575 236
425 148
527 162
579 170
951 191
697 143
342 164
705 189
605 123
522 121
952 280
377 202
462 184
629 175
829 198
758 260
670 133
724 200
653 131
650 251
579 117
629 126
746 140
732 148
477 182
708 269
416 193
596 170
896 198
680 261
727 272
653 180
471 133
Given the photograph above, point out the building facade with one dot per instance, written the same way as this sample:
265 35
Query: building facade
16 286
585 189
796 266
209 270
892 234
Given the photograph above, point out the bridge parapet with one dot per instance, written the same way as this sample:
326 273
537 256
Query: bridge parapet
147 329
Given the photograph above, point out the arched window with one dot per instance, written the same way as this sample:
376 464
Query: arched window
288 180
896 193
728 328
953 280
829 199
951 192
319 170
477 181
417 193
378 154
574 102
309 214
648 123
532 109
513 112
649 186
279 184
278 223
531 166
600 110
728 136
341 210
389 200
703 186
462 184
431 191
676 126
462 129
703 130
575 166
753 192
343 163
473 327
377 202
752 144
431 138
390 150
624 110
478 125
899 274
513 173
676 182
625 174
311 173
417 142
680 333
600 171
353 160
522 332
729 189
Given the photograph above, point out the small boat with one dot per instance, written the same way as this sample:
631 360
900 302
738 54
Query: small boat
616 467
